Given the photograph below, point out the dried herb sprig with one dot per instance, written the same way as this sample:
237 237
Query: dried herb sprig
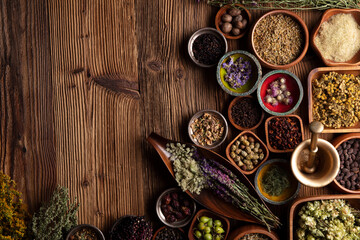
56 217
289 4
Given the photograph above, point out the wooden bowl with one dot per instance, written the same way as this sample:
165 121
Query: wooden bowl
337 142
317 73
355 61
271 149
293 84
244 230
306 39
288 194
353 200
233 102
262 145
222 11
252 83
163 227
225 222
207 197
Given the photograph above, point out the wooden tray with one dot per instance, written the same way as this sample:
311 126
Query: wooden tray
207 198
316 73
353 200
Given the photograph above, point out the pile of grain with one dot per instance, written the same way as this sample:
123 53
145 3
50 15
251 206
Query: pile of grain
339 38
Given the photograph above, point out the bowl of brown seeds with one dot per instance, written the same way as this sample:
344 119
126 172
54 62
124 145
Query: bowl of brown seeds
279 39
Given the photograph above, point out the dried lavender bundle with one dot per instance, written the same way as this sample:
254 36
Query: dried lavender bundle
289 4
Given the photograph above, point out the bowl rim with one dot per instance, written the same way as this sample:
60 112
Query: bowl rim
223 9
300 21
201 212
336 143
271 149
232 103
251 228
199 32
218 115
261 144
316 30
163 227
293 76
181 223
271 161
258 69
80 226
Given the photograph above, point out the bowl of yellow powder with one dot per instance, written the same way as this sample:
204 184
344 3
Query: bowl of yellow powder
336 39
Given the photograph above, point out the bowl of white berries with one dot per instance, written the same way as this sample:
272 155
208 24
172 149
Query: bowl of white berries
280 92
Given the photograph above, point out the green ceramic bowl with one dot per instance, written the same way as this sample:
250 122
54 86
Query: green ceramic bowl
251 85
294 86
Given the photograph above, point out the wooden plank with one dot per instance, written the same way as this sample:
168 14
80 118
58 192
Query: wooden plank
96 130
27 151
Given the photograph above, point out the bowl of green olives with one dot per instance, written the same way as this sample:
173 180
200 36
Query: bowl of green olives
207 225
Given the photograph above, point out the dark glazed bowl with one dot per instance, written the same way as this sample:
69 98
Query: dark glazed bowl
79 227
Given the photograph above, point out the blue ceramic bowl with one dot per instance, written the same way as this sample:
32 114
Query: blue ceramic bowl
288 194
251 85
294 86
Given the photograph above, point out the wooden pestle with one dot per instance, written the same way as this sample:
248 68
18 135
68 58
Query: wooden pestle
315 128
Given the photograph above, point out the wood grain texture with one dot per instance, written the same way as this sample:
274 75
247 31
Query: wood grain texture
83 83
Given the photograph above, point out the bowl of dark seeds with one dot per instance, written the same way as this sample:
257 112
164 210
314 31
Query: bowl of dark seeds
348 147
245 113
206 46
165 233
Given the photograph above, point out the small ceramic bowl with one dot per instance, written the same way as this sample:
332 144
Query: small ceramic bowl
231 119
251 85
337 142
268 144
248 229
225 222
305 35
355 61
77 228
218 116
162 228
293 85
262 146
245 13
207 30
176 224
289 194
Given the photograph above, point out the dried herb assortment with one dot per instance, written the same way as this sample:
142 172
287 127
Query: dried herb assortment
207 129
176 206
278 93
246 112
238 71
85 234
349 175
255 236
221 181
278 39
247 152
170 234
208 229
284 133
132 228
233 22
336 99
328 219
208 49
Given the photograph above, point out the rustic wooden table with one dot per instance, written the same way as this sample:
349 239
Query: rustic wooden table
83 83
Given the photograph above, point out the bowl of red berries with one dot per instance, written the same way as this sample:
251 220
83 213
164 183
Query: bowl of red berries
175 208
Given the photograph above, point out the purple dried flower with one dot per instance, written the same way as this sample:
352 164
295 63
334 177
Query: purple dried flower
238 72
